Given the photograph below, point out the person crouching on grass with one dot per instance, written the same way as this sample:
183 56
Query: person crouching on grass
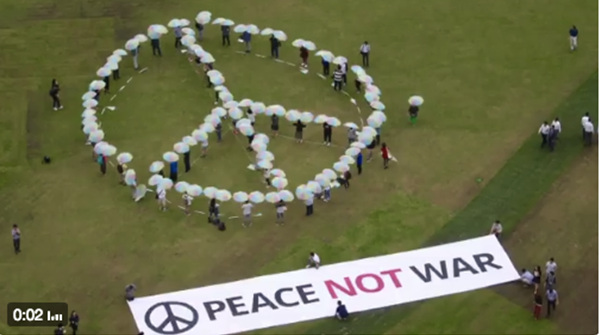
526 278
187 203
314 261
341 313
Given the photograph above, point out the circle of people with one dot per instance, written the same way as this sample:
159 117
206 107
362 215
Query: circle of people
242 122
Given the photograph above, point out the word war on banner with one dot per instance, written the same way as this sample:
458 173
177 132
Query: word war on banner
309 294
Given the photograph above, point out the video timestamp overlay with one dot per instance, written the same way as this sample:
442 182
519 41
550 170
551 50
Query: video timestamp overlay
36 314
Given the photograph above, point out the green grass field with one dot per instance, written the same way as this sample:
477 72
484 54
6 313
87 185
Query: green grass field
490 72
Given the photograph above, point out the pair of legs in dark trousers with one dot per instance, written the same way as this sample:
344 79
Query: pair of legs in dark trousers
226 40
551 306
365 59
116 74
544 140
327 136
587 136
186 161
359 167
337 85
56 102
275 52
17 245
325 68
156 48
309 210
177 42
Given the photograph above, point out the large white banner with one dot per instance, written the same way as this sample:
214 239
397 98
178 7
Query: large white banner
309 294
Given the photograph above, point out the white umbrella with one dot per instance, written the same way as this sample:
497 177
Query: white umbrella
309 45
188 31
103 72
184 22
141 38
228 23
365 78
132 44
415 100
326 55
207 58
350 125
339 60
174 23
298 42
253 29
120 52
267 32
203 17
89 95
90 103
240 28
88 112
280 35
218 20
97 85
114 58
322 118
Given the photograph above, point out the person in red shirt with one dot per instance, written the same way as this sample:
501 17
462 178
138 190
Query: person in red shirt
304 56
537 306
385 154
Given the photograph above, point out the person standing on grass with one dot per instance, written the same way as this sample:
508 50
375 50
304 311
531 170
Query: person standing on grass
107 82
275 124
584 119
550 279
544 131
304 57
267 176
552 137
341 313
186 161
247 212
200 28
219 131
357 85
225 30
134 54
385 154
370 147
413 114
352 135
347 176
551 300
327 131
326 66
54 90
496 229
74 322
359 161
338 78
314 261
102 162
208 67
115 72
345 73
247 38
299 131
155 43
327 192
537 306
173 171
187 203
121 171
178 34
275 44
551 266
280 208
130 292
204 149
309 206
213 211
537 278
556 124
365 50
588 128
573 33
378 135
16 236
251 117
162 199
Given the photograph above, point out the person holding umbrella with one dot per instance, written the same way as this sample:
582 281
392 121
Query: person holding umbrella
338 78
186 161
107 82
174 167
155 43
413 112
102 162
225 30
385 154
200 28
134 54
275 124
247 38
304 57
365 50
299 131
54 89
327 131
326 66
280 208
275 44
178 34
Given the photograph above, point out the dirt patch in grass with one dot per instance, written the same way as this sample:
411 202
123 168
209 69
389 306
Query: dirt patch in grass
564 226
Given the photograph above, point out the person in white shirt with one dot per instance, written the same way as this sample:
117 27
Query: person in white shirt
588 129
544 130
267 176
551 266
247 212
162 199
556 124
280 208
313 261
584 119
526 277
365 49
345 73
496 228
204 148
187 203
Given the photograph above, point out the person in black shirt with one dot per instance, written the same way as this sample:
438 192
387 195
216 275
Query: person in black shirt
225 35
275 44
54 89
74 322
107 82
208 67
371 146
275 124
357 85
130 292
327 131
121 170
186 161
299 131
341 313
200 28
155 43
413 112
537 306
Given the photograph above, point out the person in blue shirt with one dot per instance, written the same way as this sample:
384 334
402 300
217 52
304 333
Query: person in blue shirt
246 37
173 173
341 313
359 161
326 67
275 44
178 34
573 33
225 35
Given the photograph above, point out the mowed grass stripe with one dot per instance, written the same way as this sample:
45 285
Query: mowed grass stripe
518 186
